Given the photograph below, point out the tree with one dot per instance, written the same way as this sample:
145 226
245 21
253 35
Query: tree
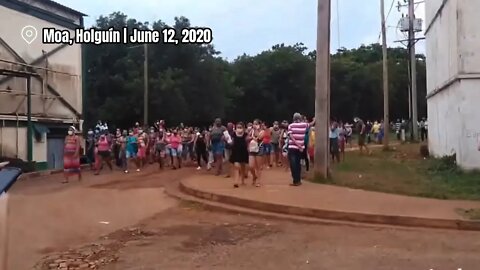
194 84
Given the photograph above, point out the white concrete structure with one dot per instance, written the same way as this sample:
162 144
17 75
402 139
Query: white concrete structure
453 79
56 87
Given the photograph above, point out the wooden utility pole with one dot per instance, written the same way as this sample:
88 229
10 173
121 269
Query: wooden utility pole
413 67
322 90
386 115
145 89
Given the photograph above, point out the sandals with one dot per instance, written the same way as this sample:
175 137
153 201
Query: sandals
254 182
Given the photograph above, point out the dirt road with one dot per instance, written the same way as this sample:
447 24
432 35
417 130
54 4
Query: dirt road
55 225
47 216
187 237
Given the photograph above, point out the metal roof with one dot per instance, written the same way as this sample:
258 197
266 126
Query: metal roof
56 4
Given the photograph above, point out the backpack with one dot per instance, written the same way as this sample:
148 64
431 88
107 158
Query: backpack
253 146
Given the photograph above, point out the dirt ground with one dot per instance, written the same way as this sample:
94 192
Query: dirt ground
117 222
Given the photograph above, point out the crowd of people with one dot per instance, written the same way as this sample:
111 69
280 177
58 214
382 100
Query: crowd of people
244 148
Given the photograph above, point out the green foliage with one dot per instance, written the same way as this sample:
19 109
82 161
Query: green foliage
193 84
444 164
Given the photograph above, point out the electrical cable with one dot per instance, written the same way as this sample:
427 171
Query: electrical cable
386 19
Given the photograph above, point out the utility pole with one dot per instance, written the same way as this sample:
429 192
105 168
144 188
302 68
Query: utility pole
145 89
322 90
386 115
4 232
29 120
338 23
413 67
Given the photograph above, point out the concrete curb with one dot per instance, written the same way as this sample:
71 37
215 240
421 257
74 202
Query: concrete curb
37 174
173 191
334 215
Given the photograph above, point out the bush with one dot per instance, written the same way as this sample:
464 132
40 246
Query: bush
25 166
444 164
424 152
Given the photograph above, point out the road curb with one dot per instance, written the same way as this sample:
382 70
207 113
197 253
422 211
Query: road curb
37 174
173 191
334 215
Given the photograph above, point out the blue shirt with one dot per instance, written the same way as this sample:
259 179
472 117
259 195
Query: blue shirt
334 133
132 144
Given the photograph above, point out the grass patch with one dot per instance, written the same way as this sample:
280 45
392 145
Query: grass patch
403 170
189 205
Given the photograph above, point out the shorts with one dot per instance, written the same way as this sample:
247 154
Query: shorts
130 154
174 152
267 149
275 147
104 154
261 150
218 148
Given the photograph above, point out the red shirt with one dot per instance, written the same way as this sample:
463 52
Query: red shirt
175 141
103 145
267 136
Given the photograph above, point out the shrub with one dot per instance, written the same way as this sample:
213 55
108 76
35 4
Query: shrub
424 152
444 164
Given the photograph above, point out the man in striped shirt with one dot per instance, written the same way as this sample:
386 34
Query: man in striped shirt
296 145
398 126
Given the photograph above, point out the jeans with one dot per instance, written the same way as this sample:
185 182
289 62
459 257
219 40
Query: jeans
122 155
423 134
185 150
294 157
267 149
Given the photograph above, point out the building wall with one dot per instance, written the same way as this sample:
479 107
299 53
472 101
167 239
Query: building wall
441 44
66 60
14 144
469 36
453 77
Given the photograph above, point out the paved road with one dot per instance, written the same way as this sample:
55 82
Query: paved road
64 221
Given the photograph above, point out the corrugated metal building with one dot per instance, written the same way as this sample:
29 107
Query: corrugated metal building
52 73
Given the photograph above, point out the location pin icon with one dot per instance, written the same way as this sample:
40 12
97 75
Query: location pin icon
29 34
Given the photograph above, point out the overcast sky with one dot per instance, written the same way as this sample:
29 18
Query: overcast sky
251 26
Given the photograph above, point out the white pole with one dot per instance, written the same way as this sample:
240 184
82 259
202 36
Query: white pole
4 231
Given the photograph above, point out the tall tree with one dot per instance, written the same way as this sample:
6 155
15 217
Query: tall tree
194 84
